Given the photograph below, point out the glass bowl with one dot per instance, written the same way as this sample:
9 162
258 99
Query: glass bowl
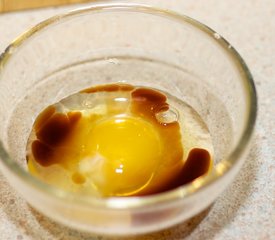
140 45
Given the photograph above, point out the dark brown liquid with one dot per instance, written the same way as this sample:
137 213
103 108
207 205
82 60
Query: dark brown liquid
196 165
56 131
52 130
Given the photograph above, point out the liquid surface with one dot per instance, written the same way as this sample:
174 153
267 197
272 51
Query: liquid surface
117 140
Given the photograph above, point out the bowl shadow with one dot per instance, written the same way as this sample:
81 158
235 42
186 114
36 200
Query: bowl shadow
205 225
186 226
227 206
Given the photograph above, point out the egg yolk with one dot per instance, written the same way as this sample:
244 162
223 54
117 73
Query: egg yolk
130 151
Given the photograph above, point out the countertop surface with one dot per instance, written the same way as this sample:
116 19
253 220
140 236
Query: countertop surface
246 210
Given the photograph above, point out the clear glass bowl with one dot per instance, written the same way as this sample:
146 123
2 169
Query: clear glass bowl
141 45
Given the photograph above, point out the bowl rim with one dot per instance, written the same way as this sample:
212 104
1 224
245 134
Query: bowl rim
223 168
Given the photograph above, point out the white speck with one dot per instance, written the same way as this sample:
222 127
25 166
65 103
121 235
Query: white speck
120 99
217 36
119 120
119 170
87 104
113 61
229 46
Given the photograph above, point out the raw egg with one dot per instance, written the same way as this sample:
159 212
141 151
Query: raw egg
112 140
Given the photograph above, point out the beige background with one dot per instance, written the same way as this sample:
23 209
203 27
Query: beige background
10 5
246 210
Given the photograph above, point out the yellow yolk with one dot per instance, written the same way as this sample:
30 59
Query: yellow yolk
128 150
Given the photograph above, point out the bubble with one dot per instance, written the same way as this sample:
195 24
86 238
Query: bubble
169 116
